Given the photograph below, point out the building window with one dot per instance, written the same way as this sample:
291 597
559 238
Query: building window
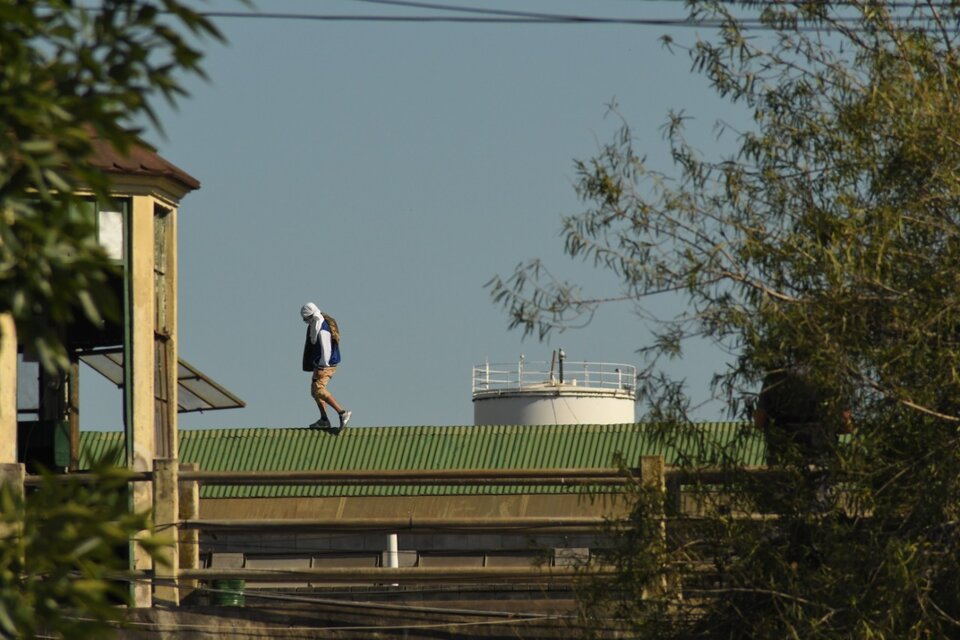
110 233
110 220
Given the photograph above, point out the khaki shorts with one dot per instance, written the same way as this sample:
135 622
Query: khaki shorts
318 385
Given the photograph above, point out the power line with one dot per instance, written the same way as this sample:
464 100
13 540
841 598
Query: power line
479 15
943 4
504 13
490 617
559 19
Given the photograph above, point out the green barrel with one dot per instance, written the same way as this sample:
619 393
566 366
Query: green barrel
228 592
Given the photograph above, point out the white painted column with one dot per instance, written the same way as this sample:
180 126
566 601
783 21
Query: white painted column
393 555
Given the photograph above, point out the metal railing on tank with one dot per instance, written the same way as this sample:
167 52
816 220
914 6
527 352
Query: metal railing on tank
528 374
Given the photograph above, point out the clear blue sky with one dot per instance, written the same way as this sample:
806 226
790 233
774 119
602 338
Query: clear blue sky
386 171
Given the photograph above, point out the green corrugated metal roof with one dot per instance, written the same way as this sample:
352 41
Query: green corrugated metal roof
429 448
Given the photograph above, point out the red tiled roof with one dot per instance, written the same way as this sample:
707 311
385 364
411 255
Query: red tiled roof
140 159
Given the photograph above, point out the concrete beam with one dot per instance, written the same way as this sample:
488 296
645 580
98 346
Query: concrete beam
406 575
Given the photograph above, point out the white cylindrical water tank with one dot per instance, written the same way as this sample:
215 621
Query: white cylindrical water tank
559 392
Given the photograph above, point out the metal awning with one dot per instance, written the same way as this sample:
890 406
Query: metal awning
196 391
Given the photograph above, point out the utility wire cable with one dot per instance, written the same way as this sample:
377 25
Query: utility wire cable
317 17
363 604
479 15
528 15
746 24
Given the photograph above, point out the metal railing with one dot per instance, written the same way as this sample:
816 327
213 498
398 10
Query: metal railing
558 372
405 575
173 517
431 477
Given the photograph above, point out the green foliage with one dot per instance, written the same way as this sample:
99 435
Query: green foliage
71 71
632 599
828 239
65 548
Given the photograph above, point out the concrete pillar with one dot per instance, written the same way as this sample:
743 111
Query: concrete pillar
141 318
13 474
166 499
142 334
8 389
189 538
653 478
393 555
652 473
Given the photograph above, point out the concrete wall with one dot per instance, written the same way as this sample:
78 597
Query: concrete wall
249 549
499 506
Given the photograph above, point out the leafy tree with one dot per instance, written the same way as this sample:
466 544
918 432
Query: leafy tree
829 240
72 70
63 554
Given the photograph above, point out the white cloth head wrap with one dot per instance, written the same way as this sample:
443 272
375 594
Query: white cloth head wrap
312 316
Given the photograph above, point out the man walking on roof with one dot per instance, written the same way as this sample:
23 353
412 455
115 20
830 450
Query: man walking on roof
321 355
